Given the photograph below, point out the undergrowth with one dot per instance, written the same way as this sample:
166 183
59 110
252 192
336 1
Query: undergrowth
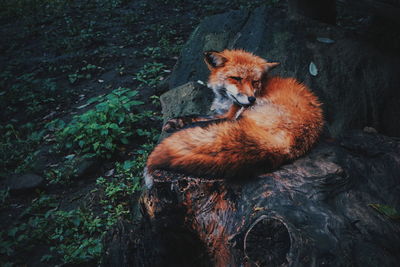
74 236
100 130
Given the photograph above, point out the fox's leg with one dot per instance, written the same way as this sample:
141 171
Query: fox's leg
178 123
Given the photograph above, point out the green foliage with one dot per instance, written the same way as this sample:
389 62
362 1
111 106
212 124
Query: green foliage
83 73
27 92
386 210
17 146
4 194
99 131
151 74
74 235
63 173
118 188
152 52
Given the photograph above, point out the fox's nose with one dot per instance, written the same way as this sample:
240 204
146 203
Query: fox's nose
252 99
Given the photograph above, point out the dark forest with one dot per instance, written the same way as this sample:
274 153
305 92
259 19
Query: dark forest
86 87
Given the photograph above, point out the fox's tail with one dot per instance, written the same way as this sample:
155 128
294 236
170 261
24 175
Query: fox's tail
225 149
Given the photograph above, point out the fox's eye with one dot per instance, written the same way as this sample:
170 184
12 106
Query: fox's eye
256 83
235 78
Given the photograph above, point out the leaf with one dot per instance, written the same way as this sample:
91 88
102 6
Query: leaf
388 211
112 96
81 143
12 232
120 91
135 103
128 164
76 221
83 106
104 132
313 69
124 141
113 126
142 132
109 172
46 258
132 93
70 156
325 40
108 144
72 79
96 146
94 99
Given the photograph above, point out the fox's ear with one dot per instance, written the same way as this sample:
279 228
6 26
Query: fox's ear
214 59
270 65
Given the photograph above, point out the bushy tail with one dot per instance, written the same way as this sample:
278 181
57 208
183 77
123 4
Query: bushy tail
218 150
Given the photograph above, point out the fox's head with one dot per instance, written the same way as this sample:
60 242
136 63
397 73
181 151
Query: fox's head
237 74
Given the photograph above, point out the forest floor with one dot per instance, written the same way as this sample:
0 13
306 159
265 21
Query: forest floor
79 89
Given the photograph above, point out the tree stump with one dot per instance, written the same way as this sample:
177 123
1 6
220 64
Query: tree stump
320 210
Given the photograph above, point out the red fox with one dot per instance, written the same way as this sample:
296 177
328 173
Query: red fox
280 120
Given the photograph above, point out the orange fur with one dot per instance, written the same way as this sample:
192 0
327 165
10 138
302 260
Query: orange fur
283 124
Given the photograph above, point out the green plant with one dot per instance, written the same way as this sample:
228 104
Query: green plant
155 100
77 235
4 194
99 131
17 146
64 172
151 74
29 93
74 236
152 52
21 237
83 73
117 189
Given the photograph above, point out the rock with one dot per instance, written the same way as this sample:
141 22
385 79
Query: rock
42 159
23 183
189 99
357 77
315 211
85 167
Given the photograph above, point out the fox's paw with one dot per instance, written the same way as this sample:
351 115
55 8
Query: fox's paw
176 124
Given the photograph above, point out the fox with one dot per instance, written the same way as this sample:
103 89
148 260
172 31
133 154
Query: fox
261 122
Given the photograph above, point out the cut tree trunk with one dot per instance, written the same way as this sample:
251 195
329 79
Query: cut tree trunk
332 207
